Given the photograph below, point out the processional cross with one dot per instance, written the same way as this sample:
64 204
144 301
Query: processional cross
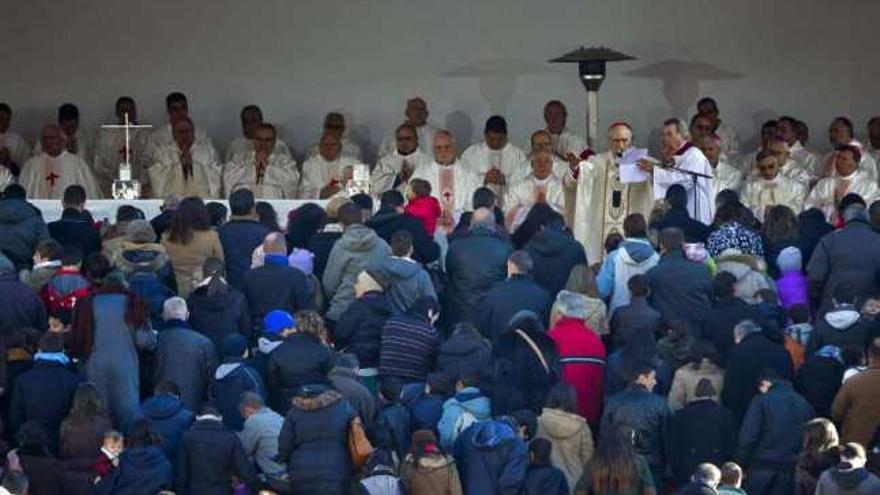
124 187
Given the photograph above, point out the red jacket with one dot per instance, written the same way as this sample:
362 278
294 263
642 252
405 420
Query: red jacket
582 355
427 210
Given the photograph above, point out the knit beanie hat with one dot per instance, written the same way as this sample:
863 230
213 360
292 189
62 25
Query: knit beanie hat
789 259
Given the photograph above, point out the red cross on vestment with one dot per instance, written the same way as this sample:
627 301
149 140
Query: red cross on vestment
52 177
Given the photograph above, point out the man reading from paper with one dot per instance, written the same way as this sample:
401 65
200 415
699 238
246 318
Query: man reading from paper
267 170
603 200
680 156
47 175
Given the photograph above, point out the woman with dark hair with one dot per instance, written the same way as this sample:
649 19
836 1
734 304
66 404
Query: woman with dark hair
217 212
44 472
189 241
704 363
568 433
426 470
733 231
303 223
780 230
143 468
267 215
216 309
640 348
82 434
820 450
616 468
105 330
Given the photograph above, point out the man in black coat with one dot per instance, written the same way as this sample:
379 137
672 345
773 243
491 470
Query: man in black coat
76 227
390 218
727 312
209 456
19 304
240 235
554 252
21 227
820 377
678 216
275 285
702 431
843 325
771 435
519 292
679 287
475 262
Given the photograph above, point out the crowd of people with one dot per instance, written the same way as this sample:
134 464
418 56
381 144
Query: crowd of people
469 327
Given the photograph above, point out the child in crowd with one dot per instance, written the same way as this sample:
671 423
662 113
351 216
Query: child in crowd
541 477
797 333
853 362
64 288
108 458
792 283
731 479
47 262
422 205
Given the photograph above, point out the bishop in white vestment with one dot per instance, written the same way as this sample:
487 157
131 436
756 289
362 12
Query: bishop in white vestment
540 186
266 172
327 173
495 161
563 140
603 202
542 141
394 169
334 124
726 175
188 167
251 118
451 183
45 176
771 188
846 178
686 158
417 116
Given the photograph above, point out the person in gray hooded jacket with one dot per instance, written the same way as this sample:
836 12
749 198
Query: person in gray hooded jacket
407 280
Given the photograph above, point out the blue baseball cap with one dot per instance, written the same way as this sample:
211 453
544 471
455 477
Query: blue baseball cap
276 321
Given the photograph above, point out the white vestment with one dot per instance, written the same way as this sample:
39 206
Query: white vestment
318 173
110 153
455 194
729 141
727 177
19 149
759 194
512 162
163 137
241 145
426 140
349 149
806 159
279 180
167 175
829 190
85 146
6 178
866 164
875 155
525 193
46 177
567 142
569 188
603 202
385 173
701 199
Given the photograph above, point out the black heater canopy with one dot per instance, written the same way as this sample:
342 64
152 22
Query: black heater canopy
591 63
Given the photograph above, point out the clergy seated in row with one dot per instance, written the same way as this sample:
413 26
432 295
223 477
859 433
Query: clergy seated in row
110 149
177 107
540 186
787 127
542 142
846 178
76 140
394 169
251 118
769 130
416 115
873 137
840 133
726 175
185 167
334 124
267 170
603 202
729 141
564 142
770 187
326 174
451 183
496 161
45 176
14 149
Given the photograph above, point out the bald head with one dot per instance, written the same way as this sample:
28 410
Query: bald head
274 243
444 147
52 140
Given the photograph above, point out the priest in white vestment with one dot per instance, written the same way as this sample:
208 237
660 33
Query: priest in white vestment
681 154
394 169
334 123
603 201
846 178
726 175
76 140
177 107
14 149
45 176
805 159
542 141
746 163
495 161
188 167
841 133
540 186
269 174
564 141
874 139
110 149
728 139
326 174
416 116
771 188
451 183
251 118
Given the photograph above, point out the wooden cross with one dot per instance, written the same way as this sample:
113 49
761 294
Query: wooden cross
128 126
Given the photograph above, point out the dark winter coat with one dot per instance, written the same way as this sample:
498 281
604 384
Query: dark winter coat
179 343
492 459
289 289
464 353
79 447
44 472
76 229
21 228
407 283
545 479
149 274
718 326
694 231
142 471
851 256
169 418
842 327
519 379
359 329
299 360
231 380
702 431
320 245
387 221
239 237
425 410
409 347
637 316
219 315
648 415
208 457
680 289
475 262
19 305
771 433
554 253
507 298
818 381
745 363
43 394
393 428
362 401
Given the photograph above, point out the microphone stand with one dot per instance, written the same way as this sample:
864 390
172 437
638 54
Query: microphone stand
695 176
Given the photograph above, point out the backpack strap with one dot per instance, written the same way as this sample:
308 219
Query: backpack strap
535 349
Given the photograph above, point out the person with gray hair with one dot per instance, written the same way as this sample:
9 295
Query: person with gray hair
179 343
290 289
518 292
754 351
259 437
704 481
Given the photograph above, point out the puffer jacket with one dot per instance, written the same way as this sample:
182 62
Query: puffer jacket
21 228
648 415
149 274
492 459
749 273
359 248
169 418
299 360
571 441
633 257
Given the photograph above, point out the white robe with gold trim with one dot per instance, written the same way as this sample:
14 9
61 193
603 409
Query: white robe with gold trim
242 145
823 194
522 195
759 194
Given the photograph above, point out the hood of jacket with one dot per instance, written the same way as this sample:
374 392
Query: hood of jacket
142 257
13 211
326 398
359 239
848 478
739 265
431 462
842 317
225 369
378 303
490 434
400 268
550 243
560 424
636 252
161 407
218 302
472 401
266 346
465 343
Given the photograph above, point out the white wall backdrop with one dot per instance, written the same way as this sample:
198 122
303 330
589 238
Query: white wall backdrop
469 58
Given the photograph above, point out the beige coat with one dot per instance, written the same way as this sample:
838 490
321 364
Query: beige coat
571 439
432 475
684 384
187 259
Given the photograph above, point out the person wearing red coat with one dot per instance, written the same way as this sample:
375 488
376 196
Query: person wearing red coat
423 206
581 353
